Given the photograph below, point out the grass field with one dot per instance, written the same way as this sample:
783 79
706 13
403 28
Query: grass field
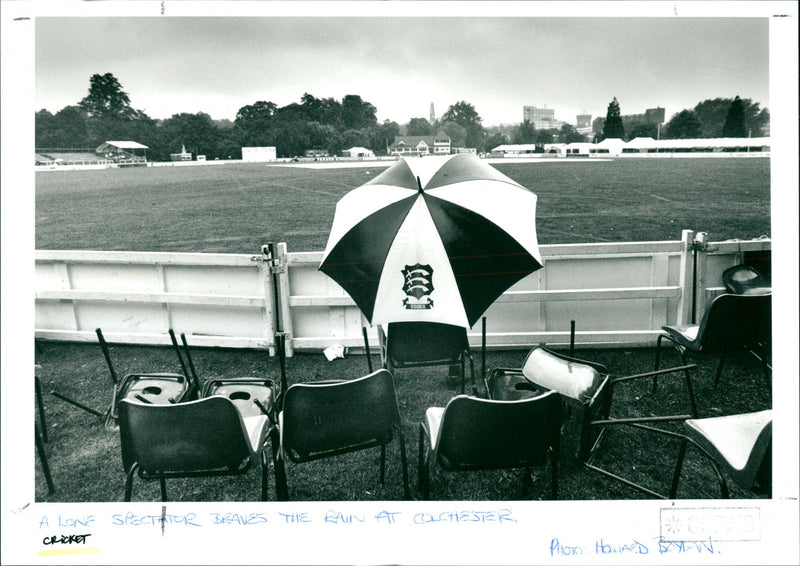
235 208
85 457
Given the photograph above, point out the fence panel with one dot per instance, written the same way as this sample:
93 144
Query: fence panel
618 294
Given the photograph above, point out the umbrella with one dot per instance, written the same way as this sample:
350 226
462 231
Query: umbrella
433 239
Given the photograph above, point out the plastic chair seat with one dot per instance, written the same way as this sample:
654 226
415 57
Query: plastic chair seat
252 396
685 335
738 443
156 388
433 420
577 380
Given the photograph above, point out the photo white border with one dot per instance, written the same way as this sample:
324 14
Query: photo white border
529 539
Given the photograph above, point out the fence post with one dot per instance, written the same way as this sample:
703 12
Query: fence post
284 292
264 272
685 278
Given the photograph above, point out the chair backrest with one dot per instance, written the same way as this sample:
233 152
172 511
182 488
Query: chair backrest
481 434
745 279
425 342
734 321
183 439
325 419
575 379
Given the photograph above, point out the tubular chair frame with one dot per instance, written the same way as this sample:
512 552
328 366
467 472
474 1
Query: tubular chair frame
756 344
391 363
135 460
548 414
592 410
251 395
144 387
40 435
356 437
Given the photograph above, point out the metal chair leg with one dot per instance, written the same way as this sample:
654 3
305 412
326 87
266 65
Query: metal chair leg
129 482
43 459
718 374
264 477
404 464
423 465
383 463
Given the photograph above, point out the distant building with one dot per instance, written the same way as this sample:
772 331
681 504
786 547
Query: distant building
541 118
259 154
420 145
583 124
122 151
358 152
182 156
317 153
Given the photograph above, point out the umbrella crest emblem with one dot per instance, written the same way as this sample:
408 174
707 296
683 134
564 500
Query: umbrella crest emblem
417 284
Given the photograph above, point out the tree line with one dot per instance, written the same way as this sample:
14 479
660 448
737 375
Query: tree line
712 118
106 113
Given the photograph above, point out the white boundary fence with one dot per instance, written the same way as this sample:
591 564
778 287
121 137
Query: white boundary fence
618 294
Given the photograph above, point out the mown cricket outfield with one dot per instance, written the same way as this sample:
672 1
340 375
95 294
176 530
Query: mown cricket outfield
235 208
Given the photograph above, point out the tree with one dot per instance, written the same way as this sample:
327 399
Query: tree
568 134
712 114
357 113
195 131
644 130
494 140
383 135
613 127
525 133
106 99
734 122
464 114
544 136
67 129
683 125
456 133
255 123
419 127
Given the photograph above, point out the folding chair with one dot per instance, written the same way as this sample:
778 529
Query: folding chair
201 438
731 322
152 388
738 446
480 434
325 419
423 344
587 390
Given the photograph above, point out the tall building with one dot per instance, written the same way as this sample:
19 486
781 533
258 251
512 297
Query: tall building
433 115
541 118
583 124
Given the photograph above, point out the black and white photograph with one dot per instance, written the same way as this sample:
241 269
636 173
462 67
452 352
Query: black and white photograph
382 277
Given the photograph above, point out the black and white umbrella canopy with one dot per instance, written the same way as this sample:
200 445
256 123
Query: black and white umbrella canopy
434 239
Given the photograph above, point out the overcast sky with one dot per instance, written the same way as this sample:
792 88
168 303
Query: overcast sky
401 65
